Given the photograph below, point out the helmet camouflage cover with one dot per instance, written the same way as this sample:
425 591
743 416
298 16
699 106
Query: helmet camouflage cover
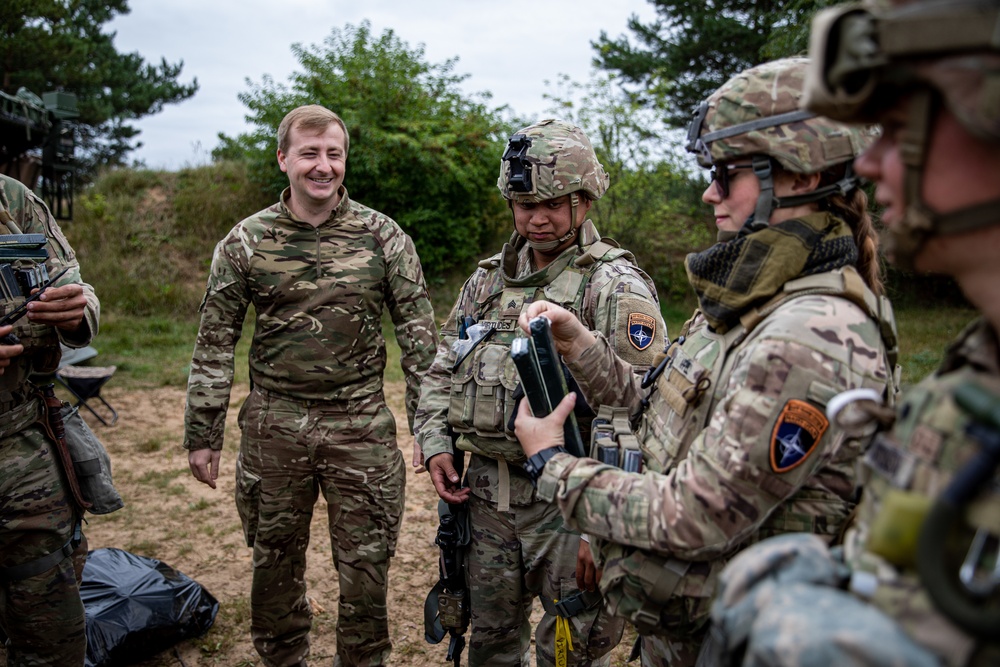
550 159
757 113
866 54
866 57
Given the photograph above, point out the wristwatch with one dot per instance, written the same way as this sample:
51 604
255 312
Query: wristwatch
535 464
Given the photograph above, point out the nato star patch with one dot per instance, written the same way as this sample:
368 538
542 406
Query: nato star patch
795 435
641 330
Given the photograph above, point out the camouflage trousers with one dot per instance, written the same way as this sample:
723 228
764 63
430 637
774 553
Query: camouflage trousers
43 615
289 453
513 557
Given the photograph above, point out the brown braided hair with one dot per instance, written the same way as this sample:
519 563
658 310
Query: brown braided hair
853 209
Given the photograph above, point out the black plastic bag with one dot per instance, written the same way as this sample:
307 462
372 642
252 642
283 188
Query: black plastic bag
137 607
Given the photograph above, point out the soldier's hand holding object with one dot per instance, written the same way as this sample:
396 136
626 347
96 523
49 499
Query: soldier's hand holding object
446 479
569 333
536 434
61 307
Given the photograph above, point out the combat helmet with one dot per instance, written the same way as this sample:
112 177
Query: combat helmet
550 159
756 115
866 56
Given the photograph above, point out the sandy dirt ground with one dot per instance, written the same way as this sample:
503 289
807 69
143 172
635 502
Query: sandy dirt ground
195 529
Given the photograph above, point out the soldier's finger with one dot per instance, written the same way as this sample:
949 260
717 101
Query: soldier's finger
565 407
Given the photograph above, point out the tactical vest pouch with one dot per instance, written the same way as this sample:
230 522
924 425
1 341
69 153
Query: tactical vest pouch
612 441
682 386
684 383
640 585
91 464
481 390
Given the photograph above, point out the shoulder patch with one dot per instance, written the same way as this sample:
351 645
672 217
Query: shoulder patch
641 330
796 434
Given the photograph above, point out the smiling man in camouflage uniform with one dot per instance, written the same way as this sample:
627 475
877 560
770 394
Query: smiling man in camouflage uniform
917 582
319 269
42 549
520 548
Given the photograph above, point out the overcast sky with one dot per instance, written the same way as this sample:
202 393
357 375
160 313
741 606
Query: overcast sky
508 48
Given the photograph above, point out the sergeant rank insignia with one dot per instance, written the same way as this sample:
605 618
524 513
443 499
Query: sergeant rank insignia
641 330
798 429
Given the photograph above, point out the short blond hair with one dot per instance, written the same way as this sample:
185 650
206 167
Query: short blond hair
310 117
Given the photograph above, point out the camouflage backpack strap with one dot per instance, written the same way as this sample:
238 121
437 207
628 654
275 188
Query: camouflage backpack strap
608 250
604 250
844 282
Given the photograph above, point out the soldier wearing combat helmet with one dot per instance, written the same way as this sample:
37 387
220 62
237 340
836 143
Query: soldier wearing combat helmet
734 442
550 177
916 582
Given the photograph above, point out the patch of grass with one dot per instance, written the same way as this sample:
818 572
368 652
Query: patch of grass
200 504
230 626
149 445
160 479
924 333
148 548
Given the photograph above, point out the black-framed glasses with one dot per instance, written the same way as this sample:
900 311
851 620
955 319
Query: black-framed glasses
720 174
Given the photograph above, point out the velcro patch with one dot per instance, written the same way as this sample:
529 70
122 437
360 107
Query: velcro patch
641 330
795 435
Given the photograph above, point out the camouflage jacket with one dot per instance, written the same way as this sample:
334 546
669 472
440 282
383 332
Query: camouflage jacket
318 295
616 293
710 488
915 460
21 212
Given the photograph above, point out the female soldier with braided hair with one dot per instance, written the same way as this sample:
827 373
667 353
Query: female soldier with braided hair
734 442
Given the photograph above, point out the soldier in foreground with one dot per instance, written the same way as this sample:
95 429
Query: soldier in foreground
42 547
319 269
917 580
735 446
520 548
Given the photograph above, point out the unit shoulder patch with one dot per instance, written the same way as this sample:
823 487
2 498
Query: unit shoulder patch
796 434
641 330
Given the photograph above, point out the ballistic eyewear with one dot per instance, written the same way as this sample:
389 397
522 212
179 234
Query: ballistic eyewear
720 175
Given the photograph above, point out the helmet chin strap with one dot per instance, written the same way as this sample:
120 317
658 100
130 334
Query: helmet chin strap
574 202
767 202
904 241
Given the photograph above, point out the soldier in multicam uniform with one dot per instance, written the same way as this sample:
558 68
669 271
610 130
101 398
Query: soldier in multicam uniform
42 548
735 446
520 547
320 270
916 582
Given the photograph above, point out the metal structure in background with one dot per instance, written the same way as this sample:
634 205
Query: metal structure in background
37 139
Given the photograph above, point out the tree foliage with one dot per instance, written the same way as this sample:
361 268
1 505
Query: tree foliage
694 46
653 205
61 45
420 151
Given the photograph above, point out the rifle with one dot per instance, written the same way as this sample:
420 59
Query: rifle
17 313
542 378
446 608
